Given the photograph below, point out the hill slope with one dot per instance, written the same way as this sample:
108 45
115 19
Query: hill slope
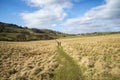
12 32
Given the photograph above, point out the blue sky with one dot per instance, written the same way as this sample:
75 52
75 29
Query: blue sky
10 11
71 16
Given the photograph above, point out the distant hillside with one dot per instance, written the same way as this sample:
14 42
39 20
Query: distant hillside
99 33
13 32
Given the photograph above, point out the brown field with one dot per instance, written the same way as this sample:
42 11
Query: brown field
27 60
98 58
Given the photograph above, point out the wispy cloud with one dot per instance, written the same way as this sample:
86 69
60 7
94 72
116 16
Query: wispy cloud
49 14
52 13
101 18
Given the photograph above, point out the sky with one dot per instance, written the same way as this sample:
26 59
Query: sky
69 16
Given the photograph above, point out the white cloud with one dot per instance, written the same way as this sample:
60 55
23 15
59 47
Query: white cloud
50 12
49 3
101 18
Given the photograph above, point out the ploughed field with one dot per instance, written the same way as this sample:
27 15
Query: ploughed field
80 58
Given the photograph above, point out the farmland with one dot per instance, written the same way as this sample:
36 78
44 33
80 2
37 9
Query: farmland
78 58
27 60
98 56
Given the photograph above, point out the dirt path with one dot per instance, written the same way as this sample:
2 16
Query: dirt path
68 69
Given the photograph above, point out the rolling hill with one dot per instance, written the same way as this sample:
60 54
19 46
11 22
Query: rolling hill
13 32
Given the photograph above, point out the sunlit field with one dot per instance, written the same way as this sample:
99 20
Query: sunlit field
27 60
80 58
98 56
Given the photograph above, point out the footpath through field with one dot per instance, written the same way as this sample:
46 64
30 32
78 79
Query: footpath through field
68 69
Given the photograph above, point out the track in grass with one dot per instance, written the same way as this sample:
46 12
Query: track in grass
68 69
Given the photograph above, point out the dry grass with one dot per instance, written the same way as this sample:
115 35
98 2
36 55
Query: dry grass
99 56
27 60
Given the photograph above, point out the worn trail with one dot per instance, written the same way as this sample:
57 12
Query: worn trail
68 69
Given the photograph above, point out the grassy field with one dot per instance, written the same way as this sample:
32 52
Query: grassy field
98 56
27 60
80 58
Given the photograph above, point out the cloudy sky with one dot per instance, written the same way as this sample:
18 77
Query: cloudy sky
70 16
